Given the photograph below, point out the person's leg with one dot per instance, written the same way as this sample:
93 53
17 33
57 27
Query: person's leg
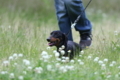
63 18
74 9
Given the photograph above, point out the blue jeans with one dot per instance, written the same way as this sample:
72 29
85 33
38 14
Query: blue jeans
67 11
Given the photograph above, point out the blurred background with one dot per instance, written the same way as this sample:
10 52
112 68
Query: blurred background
44 9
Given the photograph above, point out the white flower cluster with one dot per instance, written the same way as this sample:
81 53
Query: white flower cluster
12 58
45 56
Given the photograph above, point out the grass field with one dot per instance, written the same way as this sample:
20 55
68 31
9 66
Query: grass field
25 55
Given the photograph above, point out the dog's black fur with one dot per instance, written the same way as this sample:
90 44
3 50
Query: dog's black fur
58 39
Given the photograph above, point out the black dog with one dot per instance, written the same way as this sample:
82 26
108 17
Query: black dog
58 39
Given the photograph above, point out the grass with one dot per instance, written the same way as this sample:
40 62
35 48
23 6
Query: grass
24 52
25 55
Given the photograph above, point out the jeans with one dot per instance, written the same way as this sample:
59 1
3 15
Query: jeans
67 11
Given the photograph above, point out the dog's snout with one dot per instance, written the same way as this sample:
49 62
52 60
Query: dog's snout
48 39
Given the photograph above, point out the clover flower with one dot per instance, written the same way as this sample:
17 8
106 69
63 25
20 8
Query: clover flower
82 52
11 58
62 52
63 47
24 72
26 62
38 70
63 60
116 33
58 59
6 63
96 59
89 57
72 61
57 54
111 65
21 78
44 53
105 60
63 69
49 67
108 76
45 56
15 55
3 72
79 60
69 51
57 65
20 55
29 68
100 62
48 48
119 67
12 75
103 66
81 63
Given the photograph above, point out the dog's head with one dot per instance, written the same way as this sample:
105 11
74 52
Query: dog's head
57 38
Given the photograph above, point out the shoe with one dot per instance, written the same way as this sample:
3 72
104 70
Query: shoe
85 40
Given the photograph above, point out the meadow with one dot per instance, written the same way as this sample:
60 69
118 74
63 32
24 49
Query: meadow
25 55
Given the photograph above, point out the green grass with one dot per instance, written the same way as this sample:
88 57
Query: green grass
21 36
24 32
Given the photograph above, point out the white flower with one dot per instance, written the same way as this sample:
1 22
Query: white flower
29 68
96 73
96 59
79 60
113 62
69 51
26 62
48 48
15 64
20 77
6 63
119 67
100 62
60 49
46 57
103 66
62 52
108 76
44 53
57 65
116 32
58 59
72 61
63 61
70 67
12 75
15 55
20 55
3 72
63 69
11 58
111 65
82 52
57 54
38 69
63 47
49 67
67 59
54 51
81 63
105 60
89 57
24 72
80 55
